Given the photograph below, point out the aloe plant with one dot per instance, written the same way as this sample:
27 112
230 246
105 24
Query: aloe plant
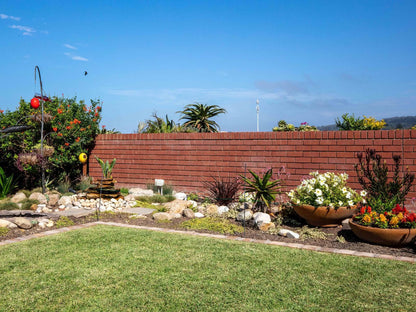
106 167
6 184
264 188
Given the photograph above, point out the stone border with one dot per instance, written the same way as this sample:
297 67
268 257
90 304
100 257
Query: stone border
218 236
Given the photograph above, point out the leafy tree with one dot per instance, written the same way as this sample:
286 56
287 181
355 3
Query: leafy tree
199 116
70 128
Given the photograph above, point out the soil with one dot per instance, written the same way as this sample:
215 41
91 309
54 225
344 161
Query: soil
331 241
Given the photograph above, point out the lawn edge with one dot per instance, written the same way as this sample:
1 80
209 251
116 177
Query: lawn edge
217 236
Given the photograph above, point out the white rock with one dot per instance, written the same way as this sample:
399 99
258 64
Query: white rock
61 206
288 233
65 200
223 209
176 215
19 196
140 192
53 199
162 216
192 204
189 213
8 224
50 223
261 217
180 195
244 215
199 215
22 223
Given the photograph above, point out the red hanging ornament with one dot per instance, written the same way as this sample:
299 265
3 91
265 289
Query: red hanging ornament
34 103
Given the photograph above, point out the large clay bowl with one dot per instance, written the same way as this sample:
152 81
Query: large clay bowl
386 237
324 216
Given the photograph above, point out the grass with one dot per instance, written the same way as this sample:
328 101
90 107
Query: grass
218 225
117 269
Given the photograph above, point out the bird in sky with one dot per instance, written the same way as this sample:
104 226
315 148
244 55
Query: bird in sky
85 73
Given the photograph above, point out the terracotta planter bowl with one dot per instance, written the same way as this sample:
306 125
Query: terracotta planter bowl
324 216
385 237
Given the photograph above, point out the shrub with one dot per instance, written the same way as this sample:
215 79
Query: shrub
350 122
6 184
27 203
284 126
167 189
64 221
218 225
124 191
106 167
373 175
70 128
223 190
8 206
85 182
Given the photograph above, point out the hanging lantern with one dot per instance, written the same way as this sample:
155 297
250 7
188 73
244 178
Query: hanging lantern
83 158
34 103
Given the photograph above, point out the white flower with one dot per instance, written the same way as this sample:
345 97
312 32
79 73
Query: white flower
350 203
291 193
340 203
309 188
297 201
319 200
344 190
331 205
318 192
363 193
327 175
348 195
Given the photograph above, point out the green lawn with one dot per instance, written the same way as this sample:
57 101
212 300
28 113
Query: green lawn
106 268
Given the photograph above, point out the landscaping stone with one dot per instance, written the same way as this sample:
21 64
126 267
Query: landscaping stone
261 217
175 215
346 224
33 207
53 199
189 213
223 209
199 215
177 206
39 197
211 210
162 216
140 192
65 200
22 223
288 233
181 196
245 215
266 226
8 224
19 196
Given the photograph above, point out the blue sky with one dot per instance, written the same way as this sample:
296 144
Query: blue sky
304 60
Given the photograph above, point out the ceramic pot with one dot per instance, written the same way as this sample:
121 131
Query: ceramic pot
386 237
324 216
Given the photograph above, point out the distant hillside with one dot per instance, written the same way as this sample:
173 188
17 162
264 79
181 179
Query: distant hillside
405 122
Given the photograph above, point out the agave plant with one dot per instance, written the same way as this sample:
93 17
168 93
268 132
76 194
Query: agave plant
106 167
264 188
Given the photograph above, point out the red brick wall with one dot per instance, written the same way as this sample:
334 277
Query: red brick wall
185 160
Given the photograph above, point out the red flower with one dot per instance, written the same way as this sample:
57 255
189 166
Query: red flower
103 127
1 111
96 114
77 139
362 210
66 144
68 128
55 129
368 209
59 134
59 111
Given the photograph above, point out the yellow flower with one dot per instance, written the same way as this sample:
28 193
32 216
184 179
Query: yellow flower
366 219
394 221
400 216
382 218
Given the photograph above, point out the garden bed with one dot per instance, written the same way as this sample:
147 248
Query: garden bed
331 241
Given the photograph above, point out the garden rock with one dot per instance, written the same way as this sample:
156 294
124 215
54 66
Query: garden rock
244 215
65 200
22 223
159 216
266 226
39 197
223 209
346 224
212 210
181 196
177 206
288 233
53 199
19 196
188 213
175 215
199 215
129 197
261 217
8 224
192 204
140 192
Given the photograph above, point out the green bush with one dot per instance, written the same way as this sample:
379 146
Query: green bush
350 122
64 221
124 191
167 189
6 184
70 128
27 203
284 126
218 225
9 206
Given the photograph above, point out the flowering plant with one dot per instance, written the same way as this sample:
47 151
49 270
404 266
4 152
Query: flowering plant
399 217
328 189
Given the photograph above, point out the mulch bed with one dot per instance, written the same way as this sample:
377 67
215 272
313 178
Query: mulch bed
351 241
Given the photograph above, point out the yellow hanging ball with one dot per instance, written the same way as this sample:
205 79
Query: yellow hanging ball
83 158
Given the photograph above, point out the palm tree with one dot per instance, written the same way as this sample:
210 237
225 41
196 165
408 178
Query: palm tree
199 116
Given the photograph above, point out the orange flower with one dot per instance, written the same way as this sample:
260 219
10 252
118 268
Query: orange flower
66 144
77 139
71 122
1 111
82 129
84 108
59 111
55 129
96 114
59 134
68 128
94 120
